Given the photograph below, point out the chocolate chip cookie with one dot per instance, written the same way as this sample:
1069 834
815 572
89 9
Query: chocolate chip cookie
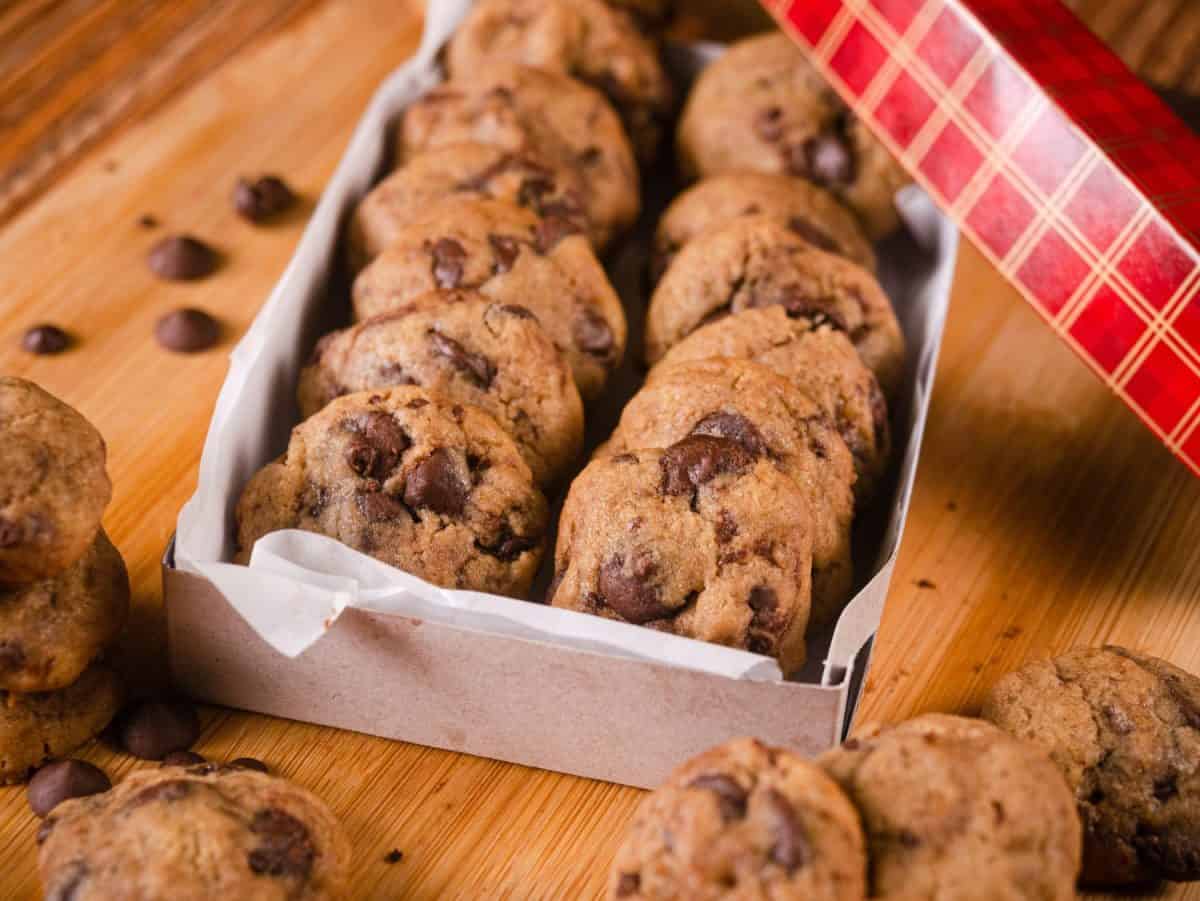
817 358
473 170
53 486
51 630
466 348
1124 729
195 833
743 820
37 727
762 107
433 487
756 261
523 109
771 418
956 810
587 39
514 258
704 539
810 211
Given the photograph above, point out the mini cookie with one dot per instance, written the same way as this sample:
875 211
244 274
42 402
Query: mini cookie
743 820
1125 731
955 810
466 348
435 488
195 833
587 39
555 117
53 486
512 257
51 630
811 212
757 262
704 539
473 170
763 107
817 358
771 418
37 727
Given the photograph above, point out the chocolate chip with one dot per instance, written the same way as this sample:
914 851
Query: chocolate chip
731 797
519 311
393 856
591 333
814 235
763 600
828 160
378 506
45 339
435 484
12 656
790 848
181 258
70 879
146 220
629 590
381 442
552 229
768 124
799 305
735 427
11 533
590 155
533 189
285 848
476 367
63 779
628 884
153 729
509 546
171 790
248 763
697 459
187 331
183 758
262 198
726 527
1166 788
506 250
448 258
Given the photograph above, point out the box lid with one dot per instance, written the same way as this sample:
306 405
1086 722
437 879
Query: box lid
1059 164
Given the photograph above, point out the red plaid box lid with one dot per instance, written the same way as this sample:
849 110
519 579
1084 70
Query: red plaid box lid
1062 167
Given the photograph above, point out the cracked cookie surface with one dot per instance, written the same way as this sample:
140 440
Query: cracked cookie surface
1125 731
703 539
433 487
195 832
53 485
954 809
743 820
513 257
466 348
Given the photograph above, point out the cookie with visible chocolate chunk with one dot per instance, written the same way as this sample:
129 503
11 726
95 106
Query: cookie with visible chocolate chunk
587 39
762 107
195 833
431 486
743 820
37 727
704 539
52 629
808 210
818 358
1124 729
521 108
53 485
756 261
511 256
466 348
772 419
410 193
956 810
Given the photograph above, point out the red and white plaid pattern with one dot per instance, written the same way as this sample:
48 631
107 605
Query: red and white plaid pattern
1063 168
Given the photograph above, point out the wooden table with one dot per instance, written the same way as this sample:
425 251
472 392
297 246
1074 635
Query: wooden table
1044 515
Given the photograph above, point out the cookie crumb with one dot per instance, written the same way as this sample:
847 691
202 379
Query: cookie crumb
393 856
146 220
925 584
1011 632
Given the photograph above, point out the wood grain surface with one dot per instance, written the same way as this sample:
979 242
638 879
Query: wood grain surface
1044 515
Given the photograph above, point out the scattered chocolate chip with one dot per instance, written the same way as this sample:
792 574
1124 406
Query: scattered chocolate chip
285 848
628 884
697 459
262 198
435 484
393 856
248 763
814 235
147 221
187 330
63 779
378 506
768 124
828 160
506 250
476 367
790 849
736 428
925 584
552 229
181 258
629 590
731 797
183 758
12 656
153 729
591 333
45 339
448 258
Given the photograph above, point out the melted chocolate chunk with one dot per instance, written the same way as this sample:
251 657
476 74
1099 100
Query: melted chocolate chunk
628 884
553 229
435 484
790 849
506 250
629 589
731 797
591 333
285 847
381 441
734 427
519 311
508 546
448 259
476 367
697 459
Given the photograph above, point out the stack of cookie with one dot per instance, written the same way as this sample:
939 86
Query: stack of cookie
722 506
64 591
484 319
